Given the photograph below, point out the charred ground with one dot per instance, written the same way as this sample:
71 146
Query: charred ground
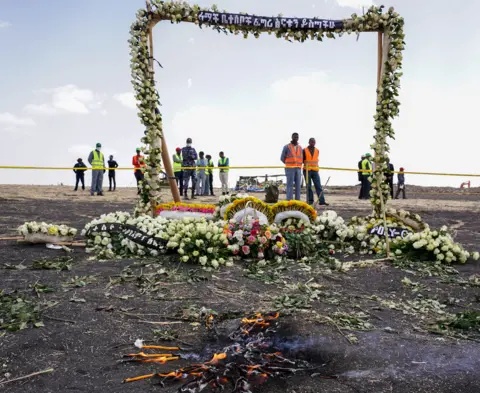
373 331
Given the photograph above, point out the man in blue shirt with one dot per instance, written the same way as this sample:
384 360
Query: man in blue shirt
189 156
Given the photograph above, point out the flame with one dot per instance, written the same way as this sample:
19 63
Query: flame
259 320
216 358
161 360
150 355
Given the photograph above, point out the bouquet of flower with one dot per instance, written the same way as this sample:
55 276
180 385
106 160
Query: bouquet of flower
433 245
199 241
224 201
236 209
186 207
35 232
293 209
115 245
250 239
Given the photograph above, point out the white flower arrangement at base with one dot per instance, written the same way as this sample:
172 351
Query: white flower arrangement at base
35 232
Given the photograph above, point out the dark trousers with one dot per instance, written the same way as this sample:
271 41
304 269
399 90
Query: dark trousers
366 187
389 181
314 177
210 182
187 175
112 181
401 189
179 180
139 176
80 177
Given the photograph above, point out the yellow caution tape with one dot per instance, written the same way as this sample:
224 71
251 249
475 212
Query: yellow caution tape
240 167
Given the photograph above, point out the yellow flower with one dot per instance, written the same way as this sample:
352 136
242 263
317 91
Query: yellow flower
52 230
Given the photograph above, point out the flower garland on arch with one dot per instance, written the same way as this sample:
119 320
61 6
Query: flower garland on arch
390 22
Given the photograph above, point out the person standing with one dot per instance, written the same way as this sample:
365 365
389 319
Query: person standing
189 158
177 169
202 164
292 157
366 185
389 173
224 164
97 161
211 165
360 176
401 184
111 174
138 162
79 173
311 172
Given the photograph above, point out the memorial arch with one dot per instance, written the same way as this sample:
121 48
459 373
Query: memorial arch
388 25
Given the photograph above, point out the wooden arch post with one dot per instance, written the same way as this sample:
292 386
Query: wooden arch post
167 164
383 48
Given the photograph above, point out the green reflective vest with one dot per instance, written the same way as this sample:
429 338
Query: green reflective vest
97 162
209 171
177 165
223 161
366 165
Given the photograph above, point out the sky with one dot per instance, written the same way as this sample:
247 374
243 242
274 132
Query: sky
65 85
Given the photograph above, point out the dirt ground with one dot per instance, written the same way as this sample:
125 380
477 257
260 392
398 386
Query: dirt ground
375 332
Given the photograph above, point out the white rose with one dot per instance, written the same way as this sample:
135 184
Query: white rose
214 264
476 256
195 253
185 258
203 260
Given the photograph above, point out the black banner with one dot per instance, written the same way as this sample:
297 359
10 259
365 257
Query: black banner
392 232
266 22
131 232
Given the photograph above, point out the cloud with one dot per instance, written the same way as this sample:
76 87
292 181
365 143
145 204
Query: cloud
191 40
40 109
4 24
66 99
10 120
126 99
189 83
355 3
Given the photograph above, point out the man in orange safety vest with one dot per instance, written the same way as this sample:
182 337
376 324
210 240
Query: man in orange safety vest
311 172
138 163
292 157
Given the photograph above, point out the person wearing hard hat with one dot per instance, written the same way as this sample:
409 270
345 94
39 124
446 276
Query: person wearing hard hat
138 162
366 185
177 169
97 161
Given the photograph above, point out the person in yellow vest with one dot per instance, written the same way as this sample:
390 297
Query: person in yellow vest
97 161
223 164
311 172
210 173
366 185
177 169
292 157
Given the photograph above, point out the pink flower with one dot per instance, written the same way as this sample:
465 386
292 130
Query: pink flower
280 251
254 232
251 239
263 240
246 250
261 255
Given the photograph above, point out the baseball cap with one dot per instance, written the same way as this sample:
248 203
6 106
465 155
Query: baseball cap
178 149
98 145
368 155
138 149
